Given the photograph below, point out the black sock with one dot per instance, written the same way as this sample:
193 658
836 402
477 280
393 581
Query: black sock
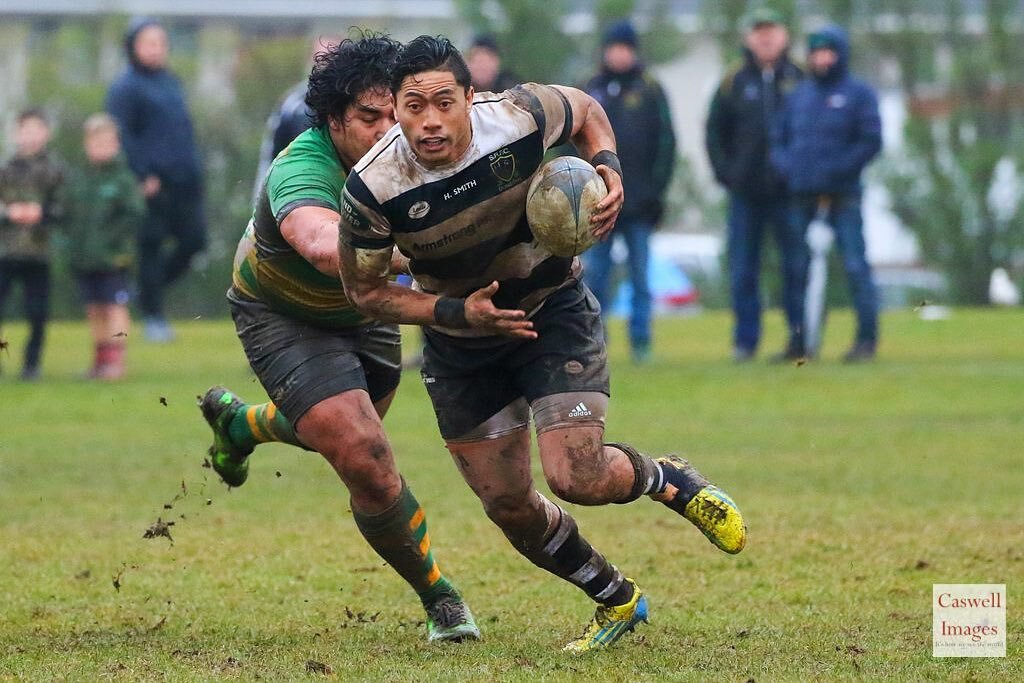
649 476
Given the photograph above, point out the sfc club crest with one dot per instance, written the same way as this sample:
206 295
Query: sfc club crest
503 165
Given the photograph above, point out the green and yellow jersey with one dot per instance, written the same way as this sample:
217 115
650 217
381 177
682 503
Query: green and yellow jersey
267 268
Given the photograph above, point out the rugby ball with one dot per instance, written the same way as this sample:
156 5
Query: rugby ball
561 199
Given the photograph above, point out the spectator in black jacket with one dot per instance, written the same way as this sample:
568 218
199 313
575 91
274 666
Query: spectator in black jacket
156 133
291 117
737 138
640 117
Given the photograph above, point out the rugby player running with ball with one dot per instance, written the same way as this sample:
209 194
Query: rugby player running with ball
510 329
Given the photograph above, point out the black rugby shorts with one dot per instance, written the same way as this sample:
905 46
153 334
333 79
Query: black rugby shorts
301 365
469 380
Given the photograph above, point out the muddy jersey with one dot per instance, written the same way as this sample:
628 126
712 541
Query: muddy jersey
267 268
463 225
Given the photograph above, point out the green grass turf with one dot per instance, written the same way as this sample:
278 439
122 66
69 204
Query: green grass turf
862 486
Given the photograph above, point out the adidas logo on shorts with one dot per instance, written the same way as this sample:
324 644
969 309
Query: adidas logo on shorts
580 411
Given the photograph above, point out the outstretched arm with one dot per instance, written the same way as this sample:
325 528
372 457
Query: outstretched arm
365 275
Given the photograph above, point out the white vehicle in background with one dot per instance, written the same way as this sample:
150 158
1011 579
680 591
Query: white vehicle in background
675 258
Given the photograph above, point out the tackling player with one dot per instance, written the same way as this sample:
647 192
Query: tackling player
510 329
330 371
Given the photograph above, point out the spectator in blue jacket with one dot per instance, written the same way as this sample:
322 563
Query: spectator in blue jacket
825 137
156 133
638 111
737 139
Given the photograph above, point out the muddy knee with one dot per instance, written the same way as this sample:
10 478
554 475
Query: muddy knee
364 462
565 488
570 433
581 473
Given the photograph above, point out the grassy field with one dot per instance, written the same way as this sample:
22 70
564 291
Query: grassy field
862 486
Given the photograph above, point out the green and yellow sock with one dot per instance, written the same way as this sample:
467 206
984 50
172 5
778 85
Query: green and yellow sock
261 423
400 537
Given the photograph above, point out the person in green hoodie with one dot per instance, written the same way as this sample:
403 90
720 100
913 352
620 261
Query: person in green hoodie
31 204
104 211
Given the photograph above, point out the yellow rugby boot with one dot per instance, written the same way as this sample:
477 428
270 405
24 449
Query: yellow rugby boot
611 623
706 506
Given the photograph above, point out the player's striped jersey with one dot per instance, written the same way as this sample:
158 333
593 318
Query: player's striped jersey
267 268
464 225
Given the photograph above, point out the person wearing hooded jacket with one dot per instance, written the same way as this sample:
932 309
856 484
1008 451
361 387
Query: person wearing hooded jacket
148 103
737 136
825 137
639 114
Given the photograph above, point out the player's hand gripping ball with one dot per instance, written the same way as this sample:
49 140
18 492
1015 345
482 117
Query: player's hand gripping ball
560 202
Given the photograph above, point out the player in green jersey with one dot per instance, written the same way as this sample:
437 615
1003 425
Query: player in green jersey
331 372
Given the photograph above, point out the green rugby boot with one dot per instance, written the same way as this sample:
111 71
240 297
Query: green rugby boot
449 620
611 623
229 460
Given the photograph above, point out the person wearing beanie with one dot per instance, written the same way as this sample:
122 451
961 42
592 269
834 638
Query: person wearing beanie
827 134
737 134
148 103
639 114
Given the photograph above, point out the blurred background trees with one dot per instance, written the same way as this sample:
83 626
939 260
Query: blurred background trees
957 182
954 178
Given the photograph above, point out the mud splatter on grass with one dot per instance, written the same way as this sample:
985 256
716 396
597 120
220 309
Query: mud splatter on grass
158 529
115 580
315 667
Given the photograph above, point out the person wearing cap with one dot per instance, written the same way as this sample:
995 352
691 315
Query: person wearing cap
484 61
827 134
148 103
638 111
737 138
